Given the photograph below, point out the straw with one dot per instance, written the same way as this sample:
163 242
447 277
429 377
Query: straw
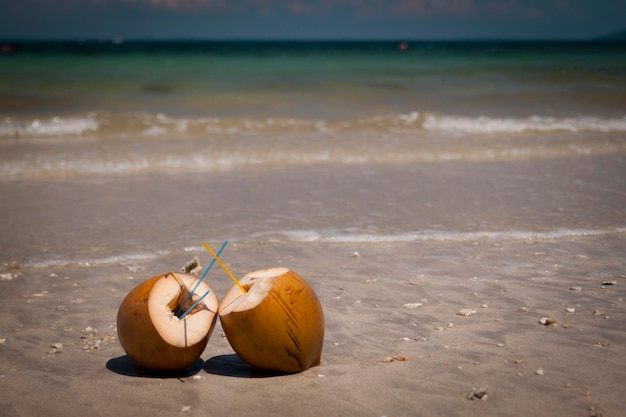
193 291
194 305
219 261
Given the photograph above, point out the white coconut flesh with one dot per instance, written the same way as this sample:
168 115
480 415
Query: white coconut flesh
258 285
166 297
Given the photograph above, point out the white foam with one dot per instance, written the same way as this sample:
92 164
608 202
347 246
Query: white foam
144 124
491 125
54 126
339 237
95 262
335 236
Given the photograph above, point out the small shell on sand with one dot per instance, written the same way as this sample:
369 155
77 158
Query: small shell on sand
547 321
576 288
412 305
478 393
56 348
598 313
466 312
399 358
570 310
192 267
6 277
539 371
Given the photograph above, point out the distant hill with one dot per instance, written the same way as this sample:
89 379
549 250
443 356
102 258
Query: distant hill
618 36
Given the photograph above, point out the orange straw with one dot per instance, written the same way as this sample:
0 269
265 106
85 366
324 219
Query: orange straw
219 261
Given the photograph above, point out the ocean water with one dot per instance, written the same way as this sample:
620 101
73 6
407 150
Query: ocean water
116 109
85 125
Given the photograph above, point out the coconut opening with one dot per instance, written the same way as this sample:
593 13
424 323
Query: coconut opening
167 295
176 305
258 285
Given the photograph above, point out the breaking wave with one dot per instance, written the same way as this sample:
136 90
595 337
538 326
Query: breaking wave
132 143
340 237
333 236
150 125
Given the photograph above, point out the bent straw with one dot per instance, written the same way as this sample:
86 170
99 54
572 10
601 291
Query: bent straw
219 261
193 291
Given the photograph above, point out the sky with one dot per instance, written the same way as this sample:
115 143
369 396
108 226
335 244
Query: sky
310 19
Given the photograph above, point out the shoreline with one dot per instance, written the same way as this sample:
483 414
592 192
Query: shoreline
152 214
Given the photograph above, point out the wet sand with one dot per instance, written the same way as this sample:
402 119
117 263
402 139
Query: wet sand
60 355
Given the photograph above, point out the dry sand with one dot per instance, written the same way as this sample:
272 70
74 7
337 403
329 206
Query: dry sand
60 356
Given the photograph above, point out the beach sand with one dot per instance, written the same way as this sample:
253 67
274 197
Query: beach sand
59 353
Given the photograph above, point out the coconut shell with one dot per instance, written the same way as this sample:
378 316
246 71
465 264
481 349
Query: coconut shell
150 332
278 325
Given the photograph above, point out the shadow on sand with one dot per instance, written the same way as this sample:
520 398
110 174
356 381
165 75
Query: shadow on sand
232 365
123 365
224 365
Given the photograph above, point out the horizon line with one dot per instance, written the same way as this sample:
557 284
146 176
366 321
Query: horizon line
121 39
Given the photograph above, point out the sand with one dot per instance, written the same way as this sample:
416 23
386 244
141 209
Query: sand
59 353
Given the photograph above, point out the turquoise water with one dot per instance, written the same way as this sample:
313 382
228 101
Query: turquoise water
310 79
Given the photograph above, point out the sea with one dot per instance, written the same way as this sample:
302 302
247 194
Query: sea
113 150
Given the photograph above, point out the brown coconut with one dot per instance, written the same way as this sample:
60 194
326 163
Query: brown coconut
151 333
278 324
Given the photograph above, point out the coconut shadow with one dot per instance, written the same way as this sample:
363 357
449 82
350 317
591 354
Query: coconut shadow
123 365
232 365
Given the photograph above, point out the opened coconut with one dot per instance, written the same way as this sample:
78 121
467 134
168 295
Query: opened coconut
277 324
151 328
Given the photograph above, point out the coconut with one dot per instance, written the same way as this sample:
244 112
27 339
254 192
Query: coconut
151 330
277 324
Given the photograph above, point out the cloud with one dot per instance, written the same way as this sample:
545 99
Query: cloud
206 5
515 8
434 7
362 9
298 7
359 8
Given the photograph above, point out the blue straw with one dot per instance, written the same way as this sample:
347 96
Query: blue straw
194 305
206 271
